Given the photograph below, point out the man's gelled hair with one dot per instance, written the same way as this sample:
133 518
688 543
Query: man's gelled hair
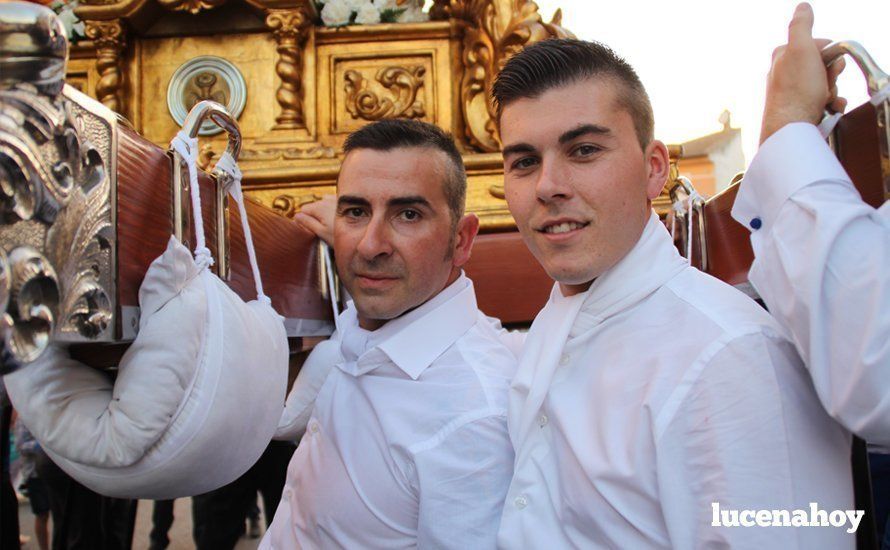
560 62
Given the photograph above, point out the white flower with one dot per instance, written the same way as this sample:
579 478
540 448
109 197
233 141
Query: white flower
414 15
336 13
357 5
367 15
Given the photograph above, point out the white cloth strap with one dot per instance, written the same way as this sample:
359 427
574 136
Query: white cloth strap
187 147
830 120
881 95
228 165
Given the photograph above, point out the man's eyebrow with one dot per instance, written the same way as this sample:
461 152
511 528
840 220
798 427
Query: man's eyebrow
411 200
352 200
582 130
518 148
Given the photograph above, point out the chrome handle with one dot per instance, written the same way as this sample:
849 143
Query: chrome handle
218 114
875 77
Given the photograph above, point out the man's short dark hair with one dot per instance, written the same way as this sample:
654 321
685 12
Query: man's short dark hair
560 62
389 134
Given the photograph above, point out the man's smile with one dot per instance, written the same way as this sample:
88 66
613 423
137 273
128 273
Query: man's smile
561 228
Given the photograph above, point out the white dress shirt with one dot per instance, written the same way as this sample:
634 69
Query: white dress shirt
822 265
654 394
407 445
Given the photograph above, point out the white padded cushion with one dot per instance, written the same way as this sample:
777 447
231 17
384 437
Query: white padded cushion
198 395
301 399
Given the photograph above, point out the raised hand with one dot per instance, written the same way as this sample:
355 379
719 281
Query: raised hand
318 217
799 86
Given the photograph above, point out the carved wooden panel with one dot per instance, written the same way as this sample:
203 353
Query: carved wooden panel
367 80
369 89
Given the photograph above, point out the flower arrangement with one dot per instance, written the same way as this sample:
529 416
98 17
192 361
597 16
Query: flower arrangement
74 27
339 13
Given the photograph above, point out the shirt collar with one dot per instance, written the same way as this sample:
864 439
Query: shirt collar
652 262
414 340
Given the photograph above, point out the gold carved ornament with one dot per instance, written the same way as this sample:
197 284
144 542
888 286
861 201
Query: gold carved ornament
492 31
191 6
288 205
289 28
403 82
109 39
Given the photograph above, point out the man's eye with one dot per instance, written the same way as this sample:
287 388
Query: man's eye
524 163
354 212
586 150
409 215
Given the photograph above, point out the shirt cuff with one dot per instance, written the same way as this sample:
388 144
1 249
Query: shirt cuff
790 159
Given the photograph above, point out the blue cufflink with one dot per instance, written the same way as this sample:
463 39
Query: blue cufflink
755 223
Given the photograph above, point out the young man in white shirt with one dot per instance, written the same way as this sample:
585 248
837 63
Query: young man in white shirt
822 255
654 406
407 445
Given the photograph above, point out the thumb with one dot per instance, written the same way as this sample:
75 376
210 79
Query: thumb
801 27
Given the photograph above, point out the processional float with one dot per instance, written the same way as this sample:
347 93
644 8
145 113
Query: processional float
140 347
108 238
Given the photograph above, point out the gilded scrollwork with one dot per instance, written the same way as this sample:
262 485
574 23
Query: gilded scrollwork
109 39
308 152
404 83
289 30
492 31
191 6
287 205
55 195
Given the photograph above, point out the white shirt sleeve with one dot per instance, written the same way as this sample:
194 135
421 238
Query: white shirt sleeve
301 399
822 265
462 482
513 339
746 432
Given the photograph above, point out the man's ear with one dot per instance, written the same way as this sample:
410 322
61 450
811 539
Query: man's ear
467 228
658 166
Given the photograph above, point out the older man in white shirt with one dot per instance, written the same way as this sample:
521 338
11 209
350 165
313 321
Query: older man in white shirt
654 406
407 445
822 255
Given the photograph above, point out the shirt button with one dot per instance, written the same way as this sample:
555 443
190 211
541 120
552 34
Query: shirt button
756 223
564 360
314 428
520 502
543 420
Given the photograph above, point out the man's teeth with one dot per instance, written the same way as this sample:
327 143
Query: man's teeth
563 227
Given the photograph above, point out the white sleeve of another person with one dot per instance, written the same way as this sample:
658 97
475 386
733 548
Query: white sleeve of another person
823 268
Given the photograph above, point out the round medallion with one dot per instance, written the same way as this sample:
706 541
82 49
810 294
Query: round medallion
206 77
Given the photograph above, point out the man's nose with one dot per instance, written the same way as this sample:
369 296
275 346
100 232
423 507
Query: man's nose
375 241
552 183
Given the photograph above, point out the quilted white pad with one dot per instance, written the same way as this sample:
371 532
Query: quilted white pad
198 395
197 399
